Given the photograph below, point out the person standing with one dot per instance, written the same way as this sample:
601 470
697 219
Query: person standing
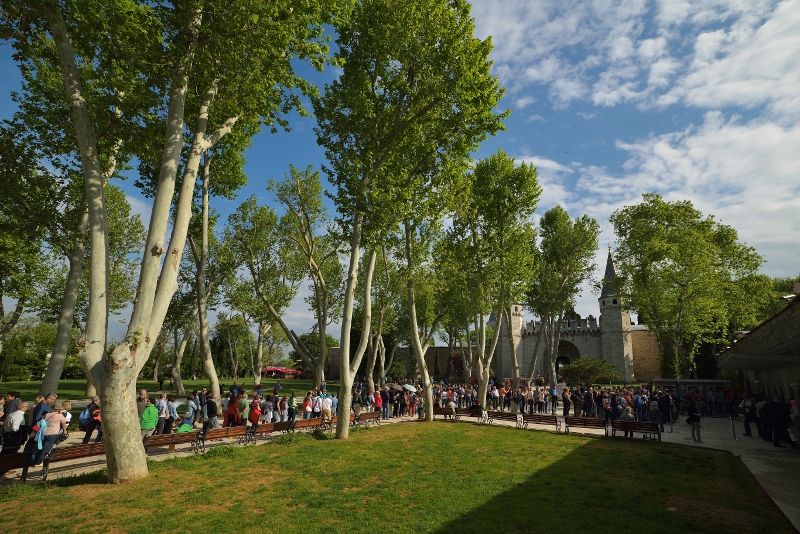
149 419
567 401
385 404
161 382
211 411
43 408
694 420
655 412
292 412
379 403
172 415
577 400
141 402
357 403
749 407
161 407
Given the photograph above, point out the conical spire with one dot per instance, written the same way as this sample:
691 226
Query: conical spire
610 275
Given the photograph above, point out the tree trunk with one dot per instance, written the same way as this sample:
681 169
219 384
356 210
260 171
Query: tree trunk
202 298
539 337
159 354
484 357
176 364
513 348
234 359
91 391
263 328
115 374
347 367
65 318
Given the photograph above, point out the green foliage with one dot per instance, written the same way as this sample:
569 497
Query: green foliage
688 276
415 95
565 258
584 371
26 350
311 341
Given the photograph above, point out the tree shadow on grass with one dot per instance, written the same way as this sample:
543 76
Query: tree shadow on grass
621 485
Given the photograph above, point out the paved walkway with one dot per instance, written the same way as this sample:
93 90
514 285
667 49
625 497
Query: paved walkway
777 470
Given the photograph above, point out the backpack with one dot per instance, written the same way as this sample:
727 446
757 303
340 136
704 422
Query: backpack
85 417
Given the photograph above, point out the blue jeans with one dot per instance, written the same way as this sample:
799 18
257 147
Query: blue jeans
306 415
638 413
37 456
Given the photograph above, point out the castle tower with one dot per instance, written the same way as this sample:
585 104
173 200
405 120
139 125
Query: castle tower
615 324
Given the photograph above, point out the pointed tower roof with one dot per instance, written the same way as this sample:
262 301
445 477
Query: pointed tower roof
610 275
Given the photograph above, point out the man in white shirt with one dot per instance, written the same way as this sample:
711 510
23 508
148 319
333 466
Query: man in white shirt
327 405
161 406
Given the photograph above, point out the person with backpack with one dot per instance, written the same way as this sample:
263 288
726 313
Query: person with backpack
45 433
358 402
87 419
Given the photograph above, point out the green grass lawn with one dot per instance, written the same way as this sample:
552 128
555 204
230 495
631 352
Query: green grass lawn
417 477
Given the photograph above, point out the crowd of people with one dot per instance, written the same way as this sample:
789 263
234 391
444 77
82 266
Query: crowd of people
40 428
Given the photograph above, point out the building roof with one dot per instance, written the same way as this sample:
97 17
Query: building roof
610 275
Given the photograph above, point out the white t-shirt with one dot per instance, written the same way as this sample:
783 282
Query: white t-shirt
14 421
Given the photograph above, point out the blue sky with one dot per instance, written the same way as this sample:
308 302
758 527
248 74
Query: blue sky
610 99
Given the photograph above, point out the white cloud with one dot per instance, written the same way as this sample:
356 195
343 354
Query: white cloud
706 53
524 102
534 118
586 116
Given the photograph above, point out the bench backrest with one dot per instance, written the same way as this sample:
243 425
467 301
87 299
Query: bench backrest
170 439
266 428
540 418
282 426
584 421
78 451
370 415
13 461
301 423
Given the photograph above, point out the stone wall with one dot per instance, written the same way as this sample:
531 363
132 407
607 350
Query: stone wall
778 335
646 355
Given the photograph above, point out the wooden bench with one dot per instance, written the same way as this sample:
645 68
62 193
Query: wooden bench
540 419
584 422
308 425
219 433
446 413
466 412
18 460
170 440
503 416
263 429
284 427
72 452
370 417
646 429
